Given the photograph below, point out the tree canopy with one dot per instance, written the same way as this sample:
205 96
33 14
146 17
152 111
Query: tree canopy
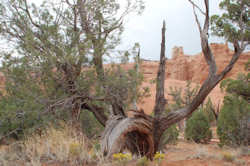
234 23
55 60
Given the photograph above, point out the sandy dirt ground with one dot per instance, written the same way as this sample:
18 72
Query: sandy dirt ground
192 154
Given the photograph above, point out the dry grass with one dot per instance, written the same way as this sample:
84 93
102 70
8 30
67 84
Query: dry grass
64 145
68 147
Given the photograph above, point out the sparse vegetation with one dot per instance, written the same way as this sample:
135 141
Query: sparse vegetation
62 105
63 144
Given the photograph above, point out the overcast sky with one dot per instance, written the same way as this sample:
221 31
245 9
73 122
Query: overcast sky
181 29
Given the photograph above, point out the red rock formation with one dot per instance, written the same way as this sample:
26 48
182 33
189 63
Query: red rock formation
194 68
183 67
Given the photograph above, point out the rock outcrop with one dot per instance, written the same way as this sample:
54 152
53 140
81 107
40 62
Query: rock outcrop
181 68
193 67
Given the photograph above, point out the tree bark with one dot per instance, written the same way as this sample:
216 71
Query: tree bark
97 111
137 70
133 133
160 100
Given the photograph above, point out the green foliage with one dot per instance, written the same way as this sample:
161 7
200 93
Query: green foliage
234 22
28 94
170 136
198 128
19 108
121 85
233 120
208 109
59 66
90 126
239 87
183 97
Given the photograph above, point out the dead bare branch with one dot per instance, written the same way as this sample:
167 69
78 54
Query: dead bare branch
29 15
196 6
160 100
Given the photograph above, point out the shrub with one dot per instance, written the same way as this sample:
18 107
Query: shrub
198 128
209 108
170 136
89 124
233 122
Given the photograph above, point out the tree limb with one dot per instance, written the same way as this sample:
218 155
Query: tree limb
30 17
196 6
160 100
212 80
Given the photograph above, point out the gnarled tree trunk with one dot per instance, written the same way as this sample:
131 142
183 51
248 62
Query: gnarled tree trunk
133 133
141 133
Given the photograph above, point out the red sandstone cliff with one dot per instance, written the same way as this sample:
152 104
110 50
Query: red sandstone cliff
193 67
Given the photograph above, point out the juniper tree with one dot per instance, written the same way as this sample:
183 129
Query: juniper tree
55 60
234 119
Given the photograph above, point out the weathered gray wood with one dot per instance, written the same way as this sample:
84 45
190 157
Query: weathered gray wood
117 130
160 100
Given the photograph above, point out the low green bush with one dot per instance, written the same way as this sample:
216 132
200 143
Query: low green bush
198 128
233 122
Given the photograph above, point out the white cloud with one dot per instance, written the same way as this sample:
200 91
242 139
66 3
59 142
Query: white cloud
180 25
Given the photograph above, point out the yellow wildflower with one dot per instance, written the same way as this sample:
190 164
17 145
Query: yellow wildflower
122 156
159 156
